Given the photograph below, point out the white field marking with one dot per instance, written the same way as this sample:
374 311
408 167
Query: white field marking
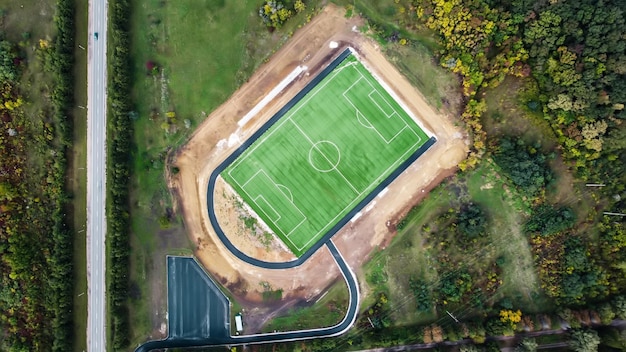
406 125
334 167
396 98
325 157
304 218
391 92
356 217
252 212
287 117
277 215
374 90
272 94
280 229
303 102
285 188
286 234
361 118
376 181
383 192
378 132
250 179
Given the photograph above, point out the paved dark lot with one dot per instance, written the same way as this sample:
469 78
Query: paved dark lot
197 309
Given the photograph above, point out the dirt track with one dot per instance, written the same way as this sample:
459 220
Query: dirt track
219 135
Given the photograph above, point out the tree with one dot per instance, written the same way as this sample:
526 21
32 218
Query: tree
527 345
470 348
584 340
8 70
299 6
619 304
547 220
454 284
614 338
606 312
511 317
525 165
274 13
421 291
472 221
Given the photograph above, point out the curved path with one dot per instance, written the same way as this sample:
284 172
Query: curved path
341 328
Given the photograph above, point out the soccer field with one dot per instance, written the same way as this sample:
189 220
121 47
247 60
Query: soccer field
324 155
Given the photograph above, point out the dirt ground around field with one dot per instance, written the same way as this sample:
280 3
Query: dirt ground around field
220 135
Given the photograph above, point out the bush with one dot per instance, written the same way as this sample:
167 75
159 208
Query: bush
548 220
524 165
421 292
472 221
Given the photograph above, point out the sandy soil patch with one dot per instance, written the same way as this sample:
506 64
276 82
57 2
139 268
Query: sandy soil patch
219 135
257 241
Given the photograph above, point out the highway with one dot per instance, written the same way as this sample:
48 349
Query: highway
96 175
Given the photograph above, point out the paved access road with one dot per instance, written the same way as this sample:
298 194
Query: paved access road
223 340
96 175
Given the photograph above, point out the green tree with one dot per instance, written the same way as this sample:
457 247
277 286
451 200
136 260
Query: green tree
619 304
613 338
8 70
527 345
470 348
422 294
547 220
525 165
472 220
454 284
584 340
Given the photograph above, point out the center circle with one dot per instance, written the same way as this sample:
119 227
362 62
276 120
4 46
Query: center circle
324 156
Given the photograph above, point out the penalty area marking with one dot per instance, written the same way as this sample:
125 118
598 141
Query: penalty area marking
376 97
390 91
391 112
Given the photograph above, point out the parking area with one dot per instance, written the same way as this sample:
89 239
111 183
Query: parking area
197 309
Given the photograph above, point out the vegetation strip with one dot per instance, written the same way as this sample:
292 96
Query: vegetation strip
118 171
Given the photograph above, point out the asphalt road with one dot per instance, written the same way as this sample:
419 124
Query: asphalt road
221 340
96 176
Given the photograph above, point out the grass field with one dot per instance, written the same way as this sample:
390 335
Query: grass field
415 251
328 152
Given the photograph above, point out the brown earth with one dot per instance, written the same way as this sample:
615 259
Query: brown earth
219 135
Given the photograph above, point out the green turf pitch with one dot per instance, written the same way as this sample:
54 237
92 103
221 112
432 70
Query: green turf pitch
324 155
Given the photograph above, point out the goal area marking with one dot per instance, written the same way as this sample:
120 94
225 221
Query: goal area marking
277 202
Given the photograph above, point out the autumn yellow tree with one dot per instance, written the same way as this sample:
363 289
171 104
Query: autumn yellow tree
299 6
511 317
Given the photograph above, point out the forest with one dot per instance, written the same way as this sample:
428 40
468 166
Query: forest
576 55
36 274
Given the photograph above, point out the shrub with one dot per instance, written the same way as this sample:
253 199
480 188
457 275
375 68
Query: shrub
547 220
